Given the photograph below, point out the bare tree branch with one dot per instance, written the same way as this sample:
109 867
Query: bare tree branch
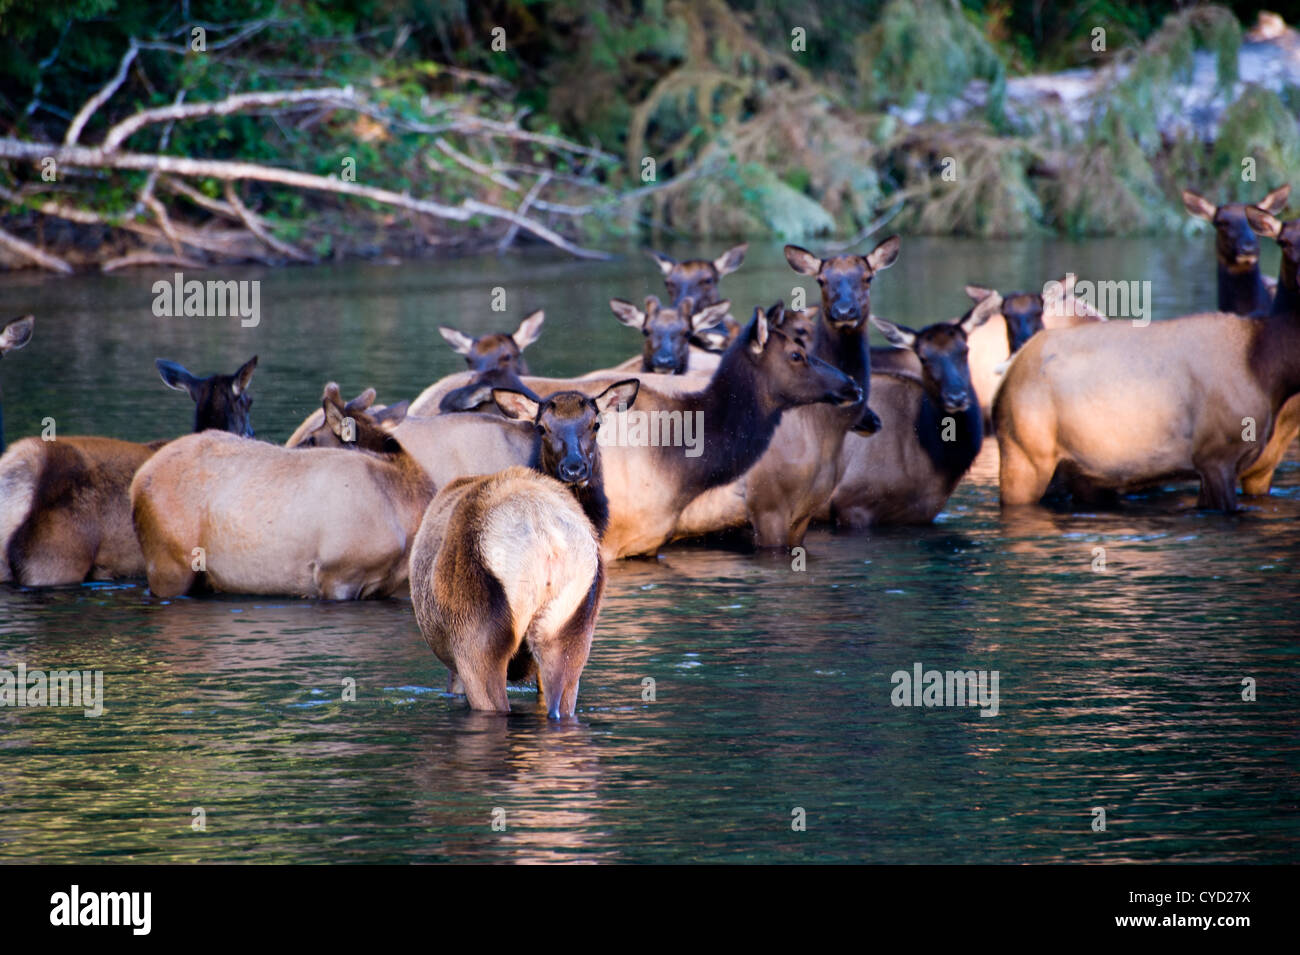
474 166
240 102
255 226
28 251
508 239
82 156
83 115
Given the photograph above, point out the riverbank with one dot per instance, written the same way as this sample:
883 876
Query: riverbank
728 130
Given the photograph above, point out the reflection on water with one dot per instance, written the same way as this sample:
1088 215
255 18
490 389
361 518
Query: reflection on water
1120 686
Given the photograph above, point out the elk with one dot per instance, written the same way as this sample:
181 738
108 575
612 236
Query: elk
1023 314
1121 405
1244 290
495 361
932 428
697 279
796 477
506 573
324 436
65 513
650 482
213 511
14 335
669 331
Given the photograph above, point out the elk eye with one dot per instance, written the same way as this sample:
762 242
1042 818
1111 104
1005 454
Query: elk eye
797 356
596 426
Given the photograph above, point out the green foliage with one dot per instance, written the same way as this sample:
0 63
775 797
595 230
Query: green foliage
791 143
929 47
1261 126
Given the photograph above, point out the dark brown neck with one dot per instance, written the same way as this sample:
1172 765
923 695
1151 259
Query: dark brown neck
738 417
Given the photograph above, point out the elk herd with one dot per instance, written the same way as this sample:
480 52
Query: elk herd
495 497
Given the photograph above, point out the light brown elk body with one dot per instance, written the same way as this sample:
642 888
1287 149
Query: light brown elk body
1121 405
65 511
1023 314
506 572
335 523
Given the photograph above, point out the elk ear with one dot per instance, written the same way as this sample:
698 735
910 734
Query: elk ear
334 416
17 333
666 264
460 343
362 401
758 332
1275 201
393 415
985 309
978 293
710 316
390 417
331 396
776 314
244 376
618 396
1266 225
802 261
685 308
627 313
713 339
176 376
529 330
895 334
884 255
730 260
1198 206
465 398
516 404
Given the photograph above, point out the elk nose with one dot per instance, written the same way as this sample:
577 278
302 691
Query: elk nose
849 393
955 400
573 472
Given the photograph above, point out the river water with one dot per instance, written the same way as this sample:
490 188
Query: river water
770 736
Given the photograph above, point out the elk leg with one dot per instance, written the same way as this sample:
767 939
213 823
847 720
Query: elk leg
562 655
797 532
1258 478
1021 480
771 528
168 577
1218 487
485 685
49 549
